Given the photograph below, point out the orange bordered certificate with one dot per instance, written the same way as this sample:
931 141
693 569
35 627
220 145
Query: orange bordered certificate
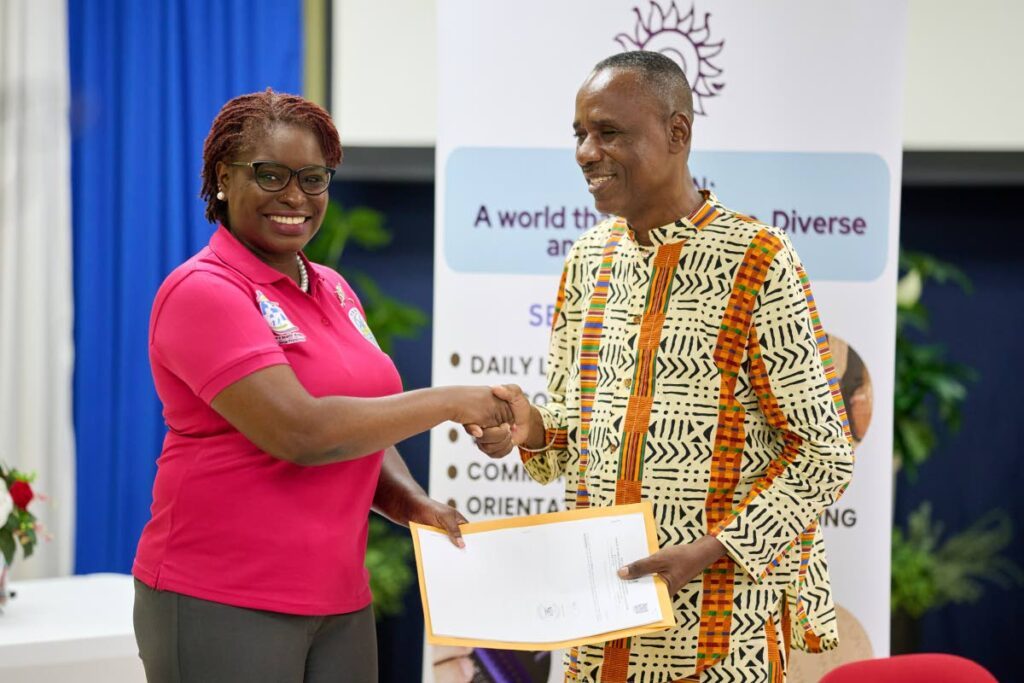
543 582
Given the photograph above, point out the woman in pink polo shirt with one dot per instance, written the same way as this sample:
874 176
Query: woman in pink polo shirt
282 413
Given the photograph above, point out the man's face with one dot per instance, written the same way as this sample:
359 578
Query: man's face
623 146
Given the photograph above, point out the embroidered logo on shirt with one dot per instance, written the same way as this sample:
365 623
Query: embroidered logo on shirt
358 321
340 293
285 331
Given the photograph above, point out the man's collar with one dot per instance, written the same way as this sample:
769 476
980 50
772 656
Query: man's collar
235 254
687 226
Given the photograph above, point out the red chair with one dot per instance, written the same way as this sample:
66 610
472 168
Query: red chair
922 668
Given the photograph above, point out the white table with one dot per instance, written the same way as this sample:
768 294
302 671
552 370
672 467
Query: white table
76 628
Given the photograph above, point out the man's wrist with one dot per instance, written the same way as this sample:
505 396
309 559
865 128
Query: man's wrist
537 432
712 549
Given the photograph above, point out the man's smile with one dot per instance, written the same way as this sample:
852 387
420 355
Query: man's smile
595 181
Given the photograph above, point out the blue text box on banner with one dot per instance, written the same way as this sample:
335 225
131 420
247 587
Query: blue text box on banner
517 210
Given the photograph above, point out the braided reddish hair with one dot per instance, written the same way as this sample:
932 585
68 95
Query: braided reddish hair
244 119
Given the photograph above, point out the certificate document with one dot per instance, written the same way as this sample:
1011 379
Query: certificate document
542 582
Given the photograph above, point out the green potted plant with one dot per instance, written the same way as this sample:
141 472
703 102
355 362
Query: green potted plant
929 568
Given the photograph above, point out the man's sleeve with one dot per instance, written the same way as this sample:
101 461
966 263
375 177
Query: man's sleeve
791 371
209 333
549 464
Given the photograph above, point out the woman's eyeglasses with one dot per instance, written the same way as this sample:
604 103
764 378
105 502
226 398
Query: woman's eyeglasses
274 177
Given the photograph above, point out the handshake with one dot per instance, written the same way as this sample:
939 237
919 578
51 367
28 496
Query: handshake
498 418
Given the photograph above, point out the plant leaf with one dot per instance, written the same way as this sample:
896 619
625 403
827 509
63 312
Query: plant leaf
388 560
928 572
7 546
367 228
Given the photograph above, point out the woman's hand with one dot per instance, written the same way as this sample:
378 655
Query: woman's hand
402 500
525 429
479 406
426 510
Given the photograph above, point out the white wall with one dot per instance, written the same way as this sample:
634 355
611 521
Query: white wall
964 85
384 72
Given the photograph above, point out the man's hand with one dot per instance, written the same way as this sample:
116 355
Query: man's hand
677 564
497 441
426 510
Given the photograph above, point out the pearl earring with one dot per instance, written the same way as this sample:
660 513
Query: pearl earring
221 196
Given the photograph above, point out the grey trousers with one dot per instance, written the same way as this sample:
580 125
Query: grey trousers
187 640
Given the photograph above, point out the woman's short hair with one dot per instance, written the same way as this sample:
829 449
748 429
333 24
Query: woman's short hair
244 119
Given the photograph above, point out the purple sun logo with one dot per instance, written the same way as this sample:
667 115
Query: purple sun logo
685 39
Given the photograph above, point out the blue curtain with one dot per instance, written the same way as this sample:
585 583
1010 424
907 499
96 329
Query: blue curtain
147 80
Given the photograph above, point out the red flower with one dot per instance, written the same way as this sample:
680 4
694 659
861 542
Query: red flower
21 494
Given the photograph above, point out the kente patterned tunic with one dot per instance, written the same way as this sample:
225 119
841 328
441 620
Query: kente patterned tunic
695 373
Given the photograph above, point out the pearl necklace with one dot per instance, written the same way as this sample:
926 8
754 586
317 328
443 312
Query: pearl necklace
303 275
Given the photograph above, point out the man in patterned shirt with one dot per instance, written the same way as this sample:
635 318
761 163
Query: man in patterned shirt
687 366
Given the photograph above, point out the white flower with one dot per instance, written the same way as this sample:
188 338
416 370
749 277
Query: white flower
908 289
6 503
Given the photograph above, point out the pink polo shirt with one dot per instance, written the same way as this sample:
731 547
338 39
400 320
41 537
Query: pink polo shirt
231 523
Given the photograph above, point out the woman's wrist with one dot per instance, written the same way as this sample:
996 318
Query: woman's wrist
400 505
453 401
398 493
413 500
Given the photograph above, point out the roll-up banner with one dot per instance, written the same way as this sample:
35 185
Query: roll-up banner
798 111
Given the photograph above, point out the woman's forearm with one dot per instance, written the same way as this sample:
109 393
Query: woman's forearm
341 428
274 411
396 488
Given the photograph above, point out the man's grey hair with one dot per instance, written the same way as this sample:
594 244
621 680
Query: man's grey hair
661 75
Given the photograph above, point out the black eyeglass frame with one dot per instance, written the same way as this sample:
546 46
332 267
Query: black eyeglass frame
292 173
